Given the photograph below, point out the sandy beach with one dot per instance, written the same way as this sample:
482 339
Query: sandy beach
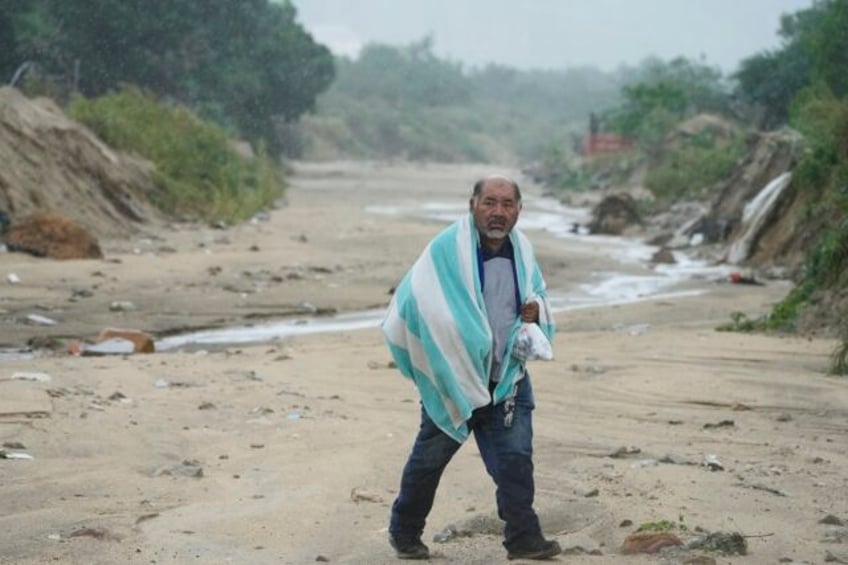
289 451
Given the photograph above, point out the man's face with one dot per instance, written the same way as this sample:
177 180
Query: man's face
496 208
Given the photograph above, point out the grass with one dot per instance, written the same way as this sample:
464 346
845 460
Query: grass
200 176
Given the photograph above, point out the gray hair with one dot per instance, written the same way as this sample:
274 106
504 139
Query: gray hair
478 186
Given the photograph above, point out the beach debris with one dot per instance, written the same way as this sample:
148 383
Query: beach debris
206 406
358 494
626 523
40 320
836 535
122 306
188 468
592 493
448 533
322 558
19 455
81 293
96 533
649 542
839 557
34 377
142 342
623 452
13 445
829 520
739 278
162 383
699 560
728 543
146 517
721 424
764 488
675 459
643 463
261 216
12 278
712 462
631 329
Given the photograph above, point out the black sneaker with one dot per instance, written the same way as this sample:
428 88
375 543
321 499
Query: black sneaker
541 549
409 549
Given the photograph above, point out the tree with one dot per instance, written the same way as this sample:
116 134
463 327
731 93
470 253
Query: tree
245 63
815 49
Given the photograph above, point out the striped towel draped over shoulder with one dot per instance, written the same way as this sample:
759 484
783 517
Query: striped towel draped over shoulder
438 331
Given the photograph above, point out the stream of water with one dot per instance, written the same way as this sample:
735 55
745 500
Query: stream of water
605 288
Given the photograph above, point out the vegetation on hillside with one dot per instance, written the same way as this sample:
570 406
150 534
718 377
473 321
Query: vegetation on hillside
247 65
810 88
199 174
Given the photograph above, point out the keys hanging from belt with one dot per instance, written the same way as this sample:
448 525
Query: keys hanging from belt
509 411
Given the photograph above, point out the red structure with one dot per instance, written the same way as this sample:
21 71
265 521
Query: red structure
602 143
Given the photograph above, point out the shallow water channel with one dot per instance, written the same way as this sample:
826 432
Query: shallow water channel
605 288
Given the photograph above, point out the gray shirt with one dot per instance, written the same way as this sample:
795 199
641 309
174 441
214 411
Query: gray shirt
499 296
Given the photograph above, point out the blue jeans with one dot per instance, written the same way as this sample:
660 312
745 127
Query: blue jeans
507 452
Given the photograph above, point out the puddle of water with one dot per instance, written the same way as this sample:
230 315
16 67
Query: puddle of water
16 355
276 330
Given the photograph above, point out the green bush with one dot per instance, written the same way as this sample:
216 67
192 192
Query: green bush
697 165
200 176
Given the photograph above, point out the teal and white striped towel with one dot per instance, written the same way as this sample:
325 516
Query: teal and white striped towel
438 332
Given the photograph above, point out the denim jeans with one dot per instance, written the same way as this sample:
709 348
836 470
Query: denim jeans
507 452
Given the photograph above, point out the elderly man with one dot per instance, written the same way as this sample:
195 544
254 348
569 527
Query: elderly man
451 327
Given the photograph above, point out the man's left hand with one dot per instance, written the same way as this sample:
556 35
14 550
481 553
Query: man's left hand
530 312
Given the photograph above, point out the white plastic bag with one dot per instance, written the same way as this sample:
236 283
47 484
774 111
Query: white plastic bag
531 343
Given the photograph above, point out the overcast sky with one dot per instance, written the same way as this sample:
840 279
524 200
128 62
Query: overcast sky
555 34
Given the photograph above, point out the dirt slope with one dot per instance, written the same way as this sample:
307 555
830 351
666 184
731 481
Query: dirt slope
53 164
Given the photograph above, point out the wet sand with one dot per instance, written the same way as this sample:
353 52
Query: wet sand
290 451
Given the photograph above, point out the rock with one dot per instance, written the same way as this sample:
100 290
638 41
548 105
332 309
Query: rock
614 214
663 255
832 520
53 236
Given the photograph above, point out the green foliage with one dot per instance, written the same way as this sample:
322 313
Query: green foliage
815 50
246 64
665 93
839 357
741 323
689 170
823 173
199 174
663 526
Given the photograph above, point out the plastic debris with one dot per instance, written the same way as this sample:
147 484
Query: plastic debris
37 377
